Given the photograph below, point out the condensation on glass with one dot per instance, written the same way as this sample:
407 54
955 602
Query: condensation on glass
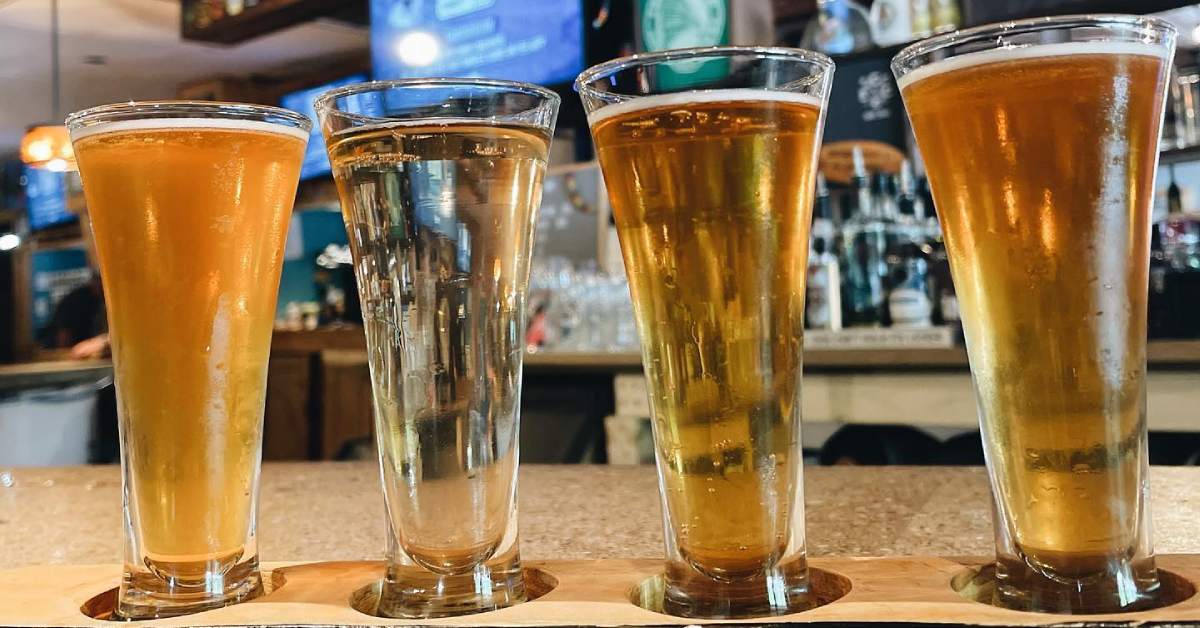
189 205
709 158
1041 140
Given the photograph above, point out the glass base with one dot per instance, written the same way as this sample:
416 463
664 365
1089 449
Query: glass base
144 595
778 590
411 592
1116 585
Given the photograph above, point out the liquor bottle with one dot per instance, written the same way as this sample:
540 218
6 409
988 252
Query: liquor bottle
945 15
823 309
908 301
839 27
1159 311
922 18
883 196
928 213
910 296
1174 196
891 22
860 184
863 255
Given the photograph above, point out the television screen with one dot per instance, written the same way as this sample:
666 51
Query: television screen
46 198
537 41
316 162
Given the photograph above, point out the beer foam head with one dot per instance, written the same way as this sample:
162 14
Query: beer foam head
166 124
1036 51
683 99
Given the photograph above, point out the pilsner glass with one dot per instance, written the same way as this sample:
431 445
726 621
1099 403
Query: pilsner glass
440 181
189 205
709 158
1041 142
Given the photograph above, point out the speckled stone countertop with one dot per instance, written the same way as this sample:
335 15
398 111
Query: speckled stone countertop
326 511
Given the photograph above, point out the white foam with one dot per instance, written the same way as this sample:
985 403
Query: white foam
639 103
1032 51
432 122
159 124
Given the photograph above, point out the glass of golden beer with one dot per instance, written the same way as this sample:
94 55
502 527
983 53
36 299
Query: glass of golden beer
189 205
440 182
709 157
1040 138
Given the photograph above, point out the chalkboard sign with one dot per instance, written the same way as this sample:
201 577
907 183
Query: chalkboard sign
864 103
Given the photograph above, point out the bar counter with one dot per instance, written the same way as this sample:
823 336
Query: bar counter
330 511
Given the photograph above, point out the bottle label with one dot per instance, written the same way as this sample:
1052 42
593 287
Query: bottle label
950 307
817 307
909 308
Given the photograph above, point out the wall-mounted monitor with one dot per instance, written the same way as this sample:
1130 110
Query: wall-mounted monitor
316 162
46 198
536 41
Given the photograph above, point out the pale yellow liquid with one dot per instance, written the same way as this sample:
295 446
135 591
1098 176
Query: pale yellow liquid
440 218
712 203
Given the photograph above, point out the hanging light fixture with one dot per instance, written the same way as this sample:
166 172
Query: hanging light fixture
49 145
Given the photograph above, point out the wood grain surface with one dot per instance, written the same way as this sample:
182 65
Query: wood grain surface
881 592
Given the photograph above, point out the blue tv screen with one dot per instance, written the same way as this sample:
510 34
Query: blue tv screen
46 198
316 162
536 41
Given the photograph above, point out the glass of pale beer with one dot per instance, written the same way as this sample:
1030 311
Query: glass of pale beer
709 156
440 181
1040 138
189 205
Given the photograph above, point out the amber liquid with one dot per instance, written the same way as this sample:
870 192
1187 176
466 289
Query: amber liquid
440 219
1042 169
189 226
712 204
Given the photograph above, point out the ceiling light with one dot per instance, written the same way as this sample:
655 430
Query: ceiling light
9 241
418 48
49 146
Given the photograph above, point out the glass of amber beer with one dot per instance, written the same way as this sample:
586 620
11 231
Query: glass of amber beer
1040 138
709 156
440 182
189 204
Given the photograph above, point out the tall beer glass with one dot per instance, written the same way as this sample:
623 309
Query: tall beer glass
709 157
189 205
440 181
1041 142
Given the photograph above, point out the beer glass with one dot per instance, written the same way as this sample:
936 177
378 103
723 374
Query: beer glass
709 157
189 206
440 181
1041 142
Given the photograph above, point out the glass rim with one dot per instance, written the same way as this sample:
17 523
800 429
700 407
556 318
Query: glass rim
323 104
612 66
135 109
923 47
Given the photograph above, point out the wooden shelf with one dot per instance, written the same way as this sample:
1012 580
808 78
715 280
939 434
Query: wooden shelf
1179 155
1159 353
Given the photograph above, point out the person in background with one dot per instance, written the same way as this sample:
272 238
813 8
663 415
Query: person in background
80 321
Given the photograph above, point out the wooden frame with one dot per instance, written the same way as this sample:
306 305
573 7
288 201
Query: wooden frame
895 591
